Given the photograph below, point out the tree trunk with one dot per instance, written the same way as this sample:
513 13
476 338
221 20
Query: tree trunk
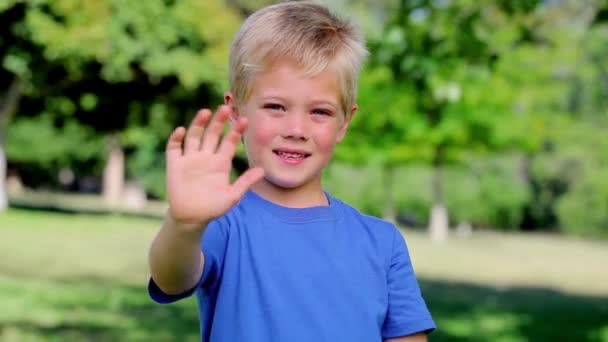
439 222
3 188
8 107
389 212
114 172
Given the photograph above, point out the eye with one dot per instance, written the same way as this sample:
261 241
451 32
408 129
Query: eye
320 111
273 106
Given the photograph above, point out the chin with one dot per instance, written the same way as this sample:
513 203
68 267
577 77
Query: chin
287 184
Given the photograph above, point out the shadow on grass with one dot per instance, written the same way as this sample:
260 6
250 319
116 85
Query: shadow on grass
91 310
466 312
70 203
63 331
104 311
61 208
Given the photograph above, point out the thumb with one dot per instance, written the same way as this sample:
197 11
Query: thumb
247 179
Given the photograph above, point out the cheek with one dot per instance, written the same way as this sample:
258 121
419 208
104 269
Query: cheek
260 133
326 139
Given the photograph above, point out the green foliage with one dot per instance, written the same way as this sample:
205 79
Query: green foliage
512 76
386 128
491 193
184 39
358 187
147 163
449 83
488 194
37 140
4 4
582 211
434 85
136 68
574 173
430 93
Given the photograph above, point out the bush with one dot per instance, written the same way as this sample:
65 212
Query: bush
488 194
492 197
583 211
359 187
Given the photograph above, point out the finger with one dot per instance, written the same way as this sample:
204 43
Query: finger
246 180
174 144
230 141
195 131
213 132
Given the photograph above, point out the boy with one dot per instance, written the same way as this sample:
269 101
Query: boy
272 257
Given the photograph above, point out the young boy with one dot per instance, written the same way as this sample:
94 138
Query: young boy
272 257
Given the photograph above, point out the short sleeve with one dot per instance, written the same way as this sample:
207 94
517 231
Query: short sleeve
407 312
213 245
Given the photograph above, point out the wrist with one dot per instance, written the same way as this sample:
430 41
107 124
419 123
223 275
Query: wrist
188 227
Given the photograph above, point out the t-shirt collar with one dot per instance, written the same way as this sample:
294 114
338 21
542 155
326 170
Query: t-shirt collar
295 215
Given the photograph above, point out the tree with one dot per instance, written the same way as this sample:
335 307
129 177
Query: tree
568 175
8 107
129 71
432 87
18 58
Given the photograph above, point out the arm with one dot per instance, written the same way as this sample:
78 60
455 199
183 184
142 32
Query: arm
420 337
199 190
176 260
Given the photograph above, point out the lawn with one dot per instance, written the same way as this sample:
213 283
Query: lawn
74 277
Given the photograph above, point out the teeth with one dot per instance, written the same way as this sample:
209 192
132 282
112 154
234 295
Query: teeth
290 155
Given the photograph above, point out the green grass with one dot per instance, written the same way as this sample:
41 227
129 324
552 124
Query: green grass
68 277
569 265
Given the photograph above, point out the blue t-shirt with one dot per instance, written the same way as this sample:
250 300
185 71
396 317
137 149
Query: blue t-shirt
325 273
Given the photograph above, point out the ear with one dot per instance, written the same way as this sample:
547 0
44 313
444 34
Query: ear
347 118
229 101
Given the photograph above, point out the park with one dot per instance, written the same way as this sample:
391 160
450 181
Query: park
481 134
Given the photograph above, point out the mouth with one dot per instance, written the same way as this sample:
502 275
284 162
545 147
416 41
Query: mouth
293 155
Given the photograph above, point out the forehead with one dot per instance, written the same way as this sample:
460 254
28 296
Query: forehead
287 78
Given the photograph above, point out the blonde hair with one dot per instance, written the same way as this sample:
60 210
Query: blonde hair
303 33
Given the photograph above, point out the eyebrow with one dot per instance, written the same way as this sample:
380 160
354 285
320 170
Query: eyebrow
314 102
325 102
271 98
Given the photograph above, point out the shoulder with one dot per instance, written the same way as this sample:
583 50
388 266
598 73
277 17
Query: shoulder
384 238
352 213
375 225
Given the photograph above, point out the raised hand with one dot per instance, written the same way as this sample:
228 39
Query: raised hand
198 169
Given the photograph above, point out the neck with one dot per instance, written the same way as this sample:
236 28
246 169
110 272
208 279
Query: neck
301 197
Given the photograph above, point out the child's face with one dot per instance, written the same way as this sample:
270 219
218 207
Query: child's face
294 122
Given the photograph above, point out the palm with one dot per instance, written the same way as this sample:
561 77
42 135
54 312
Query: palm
198 174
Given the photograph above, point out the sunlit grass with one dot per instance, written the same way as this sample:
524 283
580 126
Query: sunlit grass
68 246
502 260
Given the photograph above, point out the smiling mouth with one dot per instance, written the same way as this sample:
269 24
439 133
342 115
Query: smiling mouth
291 155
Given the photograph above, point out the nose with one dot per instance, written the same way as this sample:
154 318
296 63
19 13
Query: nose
295 126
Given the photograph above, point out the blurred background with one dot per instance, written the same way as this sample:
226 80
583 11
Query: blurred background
482 132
